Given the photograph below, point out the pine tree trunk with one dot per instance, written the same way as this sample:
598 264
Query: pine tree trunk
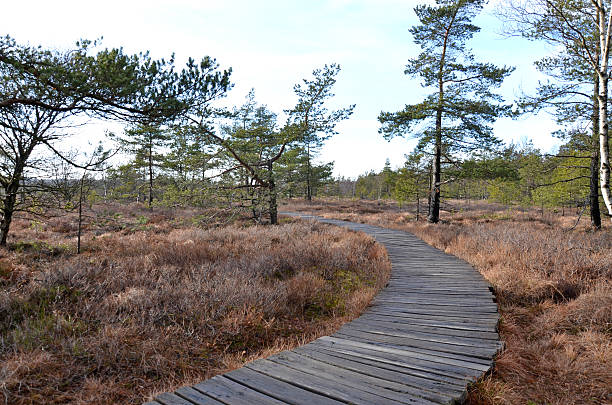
308 170
434 207
150 176
80 227
272 189
430 183
105 184
604 167
8 209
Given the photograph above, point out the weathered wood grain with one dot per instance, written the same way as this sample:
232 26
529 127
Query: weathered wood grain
196 397
280 390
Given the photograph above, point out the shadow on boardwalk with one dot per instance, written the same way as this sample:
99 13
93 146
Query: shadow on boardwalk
429 333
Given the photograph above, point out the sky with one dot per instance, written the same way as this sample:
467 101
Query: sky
273 44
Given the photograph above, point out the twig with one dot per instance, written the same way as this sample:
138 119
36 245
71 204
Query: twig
579 216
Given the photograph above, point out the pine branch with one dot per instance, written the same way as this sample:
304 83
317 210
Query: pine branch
567 156
563 181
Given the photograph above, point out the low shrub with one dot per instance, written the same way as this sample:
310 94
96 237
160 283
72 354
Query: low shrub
142 312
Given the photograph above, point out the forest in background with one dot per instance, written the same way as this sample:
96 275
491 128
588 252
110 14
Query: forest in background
520 177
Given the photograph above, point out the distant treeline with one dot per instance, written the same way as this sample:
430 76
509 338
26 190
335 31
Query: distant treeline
516 175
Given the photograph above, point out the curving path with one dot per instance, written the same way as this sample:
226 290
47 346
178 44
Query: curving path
428 334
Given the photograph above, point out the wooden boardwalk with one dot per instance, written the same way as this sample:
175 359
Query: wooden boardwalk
429 333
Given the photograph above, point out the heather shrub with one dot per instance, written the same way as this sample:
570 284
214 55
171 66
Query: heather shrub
161 303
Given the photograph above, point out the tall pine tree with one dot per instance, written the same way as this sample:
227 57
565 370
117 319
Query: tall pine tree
456 116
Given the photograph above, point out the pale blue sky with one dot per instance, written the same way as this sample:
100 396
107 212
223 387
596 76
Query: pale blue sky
272 45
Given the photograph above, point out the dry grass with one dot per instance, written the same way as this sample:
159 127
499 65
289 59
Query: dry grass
554 287
155 302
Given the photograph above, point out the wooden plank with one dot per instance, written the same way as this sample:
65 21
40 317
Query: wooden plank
490 317
415 333
439 328
231 393
399 359
417 354
375 371
411 297
411 281
196 397
442 290
331 388
393 290
409 315
430 342
168 398
428 266
471 308
433 292
487 324
438 284
424 312
443 350
385 388
420 274
445 293
454 271
378 360
431 322
280 390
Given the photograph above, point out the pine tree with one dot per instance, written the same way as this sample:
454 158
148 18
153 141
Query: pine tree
411 180
388 177
458 113
315 122
41 91
255 143
144 142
